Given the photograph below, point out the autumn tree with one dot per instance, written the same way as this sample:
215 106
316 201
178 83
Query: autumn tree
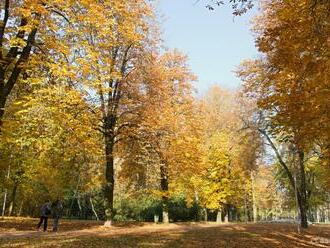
29 34
168 121
230 153
108 58
271 200
290 81
50 145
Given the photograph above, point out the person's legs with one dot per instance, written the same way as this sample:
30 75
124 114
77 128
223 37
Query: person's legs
40 222
55 225
45 223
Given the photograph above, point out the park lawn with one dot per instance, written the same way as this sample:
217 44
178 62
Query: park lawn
19 232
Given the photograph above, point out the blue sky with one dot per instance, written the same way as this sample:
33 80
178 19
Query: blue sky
215 41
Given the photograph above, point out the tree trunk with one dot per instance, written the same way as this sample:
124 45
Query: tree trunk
79 206
164 188
156 218
327 214
6 190
197 216
227 214
74 196
219 216
245 208
302 212
13 200
226 218
19 213
109 177
302 193
165 214
254 204
318 219
12 66
4 203
205 215
93 209
2 108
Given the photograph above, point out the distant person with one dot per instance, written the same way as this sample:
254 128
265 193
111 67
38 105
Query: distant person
57 209
45 211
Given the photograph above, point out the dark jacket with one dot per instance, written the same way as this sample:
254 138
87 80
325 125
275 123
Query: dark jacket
57 209
45 210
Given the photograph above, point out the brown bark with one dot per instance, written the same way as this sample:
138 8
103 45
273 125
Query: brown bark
109 138
14 59
110 181
302 193
110 115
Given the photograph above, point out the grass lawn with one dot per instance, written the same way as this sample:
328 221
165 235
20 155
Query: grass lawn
20 232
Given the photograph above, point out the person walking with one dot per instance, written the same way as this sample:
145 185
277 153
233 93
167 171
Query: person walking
57 209
45 211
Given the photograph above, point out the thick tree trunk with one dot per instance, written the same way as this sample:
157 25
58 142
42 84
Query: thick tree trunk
156 218
318 217
302 194
302 212
14 59
205 215
227 214
164 188
219 216
110 181
74 197
227 217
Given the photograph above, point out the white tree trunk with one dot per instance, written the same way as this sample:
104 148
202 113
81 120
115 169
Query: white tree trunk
254 203
165 217
93 209
227 215
219 216
4 203
205 214
5 195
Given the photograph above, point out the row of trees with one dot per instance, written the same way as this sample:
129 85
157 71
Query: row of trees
95 112
83 84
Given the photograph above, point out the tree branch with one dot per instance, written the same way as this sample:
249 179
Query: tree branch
279 157
3 25
18 66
